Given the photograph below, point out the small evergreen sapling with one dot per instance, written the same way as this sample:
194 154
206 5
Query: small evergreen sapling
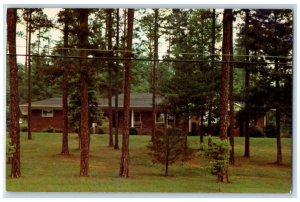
219 152
167 147
10 150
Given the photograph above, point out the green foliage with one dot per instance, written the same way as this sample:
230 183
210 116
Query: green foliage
95 113
167 147
10 149
218 151
50 129
24 129
198 81
255 131
270 33
100 130
133 131
270 130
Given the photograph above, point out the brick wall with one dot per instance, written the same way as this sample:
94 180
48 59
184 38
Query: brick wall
38 123
145 127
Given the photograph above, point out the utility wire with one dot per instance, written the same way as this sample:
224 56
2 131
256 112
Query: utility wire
169 53
147 59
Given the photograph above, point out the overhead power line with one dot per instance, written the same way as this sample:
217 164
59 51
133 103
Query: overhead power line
148 59
169 53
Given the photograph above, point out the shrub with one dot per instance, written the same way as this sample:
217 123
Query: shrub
10 150
133 131
100 131
218 151
24 129
57 130
192 133
167 147
49 129
270 130
215 127
255 131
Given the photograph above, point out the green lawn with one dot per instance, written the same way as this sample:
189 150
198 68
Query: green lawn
43 169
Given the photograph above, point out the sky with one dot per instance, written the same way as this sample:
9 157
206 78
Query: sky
54 34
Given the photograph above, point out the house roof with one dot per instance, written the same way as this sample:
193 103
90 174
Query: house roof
50 103
137 100
55 102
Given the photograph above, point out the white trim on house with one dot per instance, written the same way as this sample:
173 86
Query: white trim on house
47 113
164 118
132 118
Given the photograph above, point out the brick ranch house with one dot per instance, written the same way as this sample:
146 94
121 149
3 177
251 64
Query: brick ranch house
48 113
140 112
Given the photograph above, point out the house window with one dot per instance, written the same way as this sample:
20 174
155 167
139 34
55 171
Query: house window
171 120
47 113
160 117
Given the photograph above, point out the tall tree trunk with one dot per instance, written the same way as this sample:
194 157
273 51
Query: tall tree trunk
278 111
84 100
125 144
201 127
154 74
227 23
125 20
29 77
110 66
117 87
278 138
213 39
186 131
79 137
26 39
278 115
231 100
65 146
167 156
14 112
247 84
227 20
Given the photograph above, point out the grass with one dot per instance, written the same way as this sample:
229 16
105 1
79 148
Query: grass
43 169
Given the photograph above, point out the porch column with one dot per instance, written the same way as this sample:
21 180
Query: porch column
190 124
132 118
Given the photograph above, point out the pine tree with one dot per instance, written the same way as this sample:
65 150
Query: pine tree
14 114
116 145
269 33
65 146
231 98
110 66
124 170
212 52
226 50
154 72
84 99
247 84
35 19
167 147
